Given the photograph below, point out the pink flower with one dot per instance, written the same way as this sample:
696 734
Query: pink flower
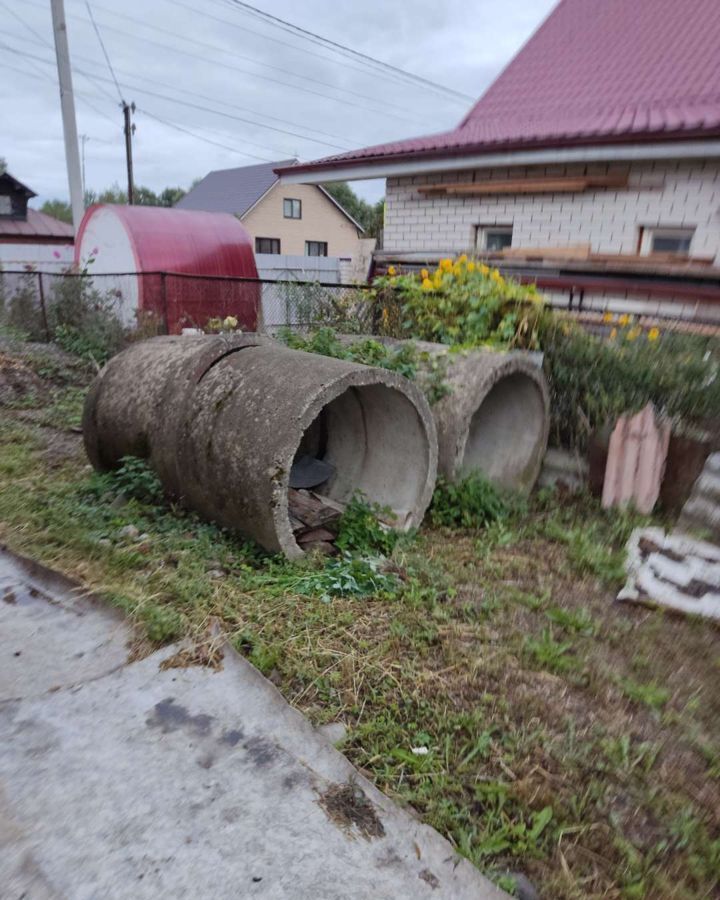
56 254
94 251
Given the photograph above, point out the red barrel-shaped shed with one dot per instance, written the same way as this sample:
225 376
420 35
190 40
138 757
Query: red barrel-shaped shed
179 267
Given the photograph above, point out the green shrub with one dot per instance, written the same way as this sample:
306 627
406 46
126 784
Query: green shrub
593 380
463 302
471 503
83 320
361 530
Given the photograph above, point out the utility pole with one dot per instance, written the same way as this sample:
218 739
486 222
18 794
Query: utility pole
128 109
67 106
83 140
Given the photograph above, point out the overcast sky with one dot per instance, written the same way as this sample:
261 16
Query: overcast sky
230 77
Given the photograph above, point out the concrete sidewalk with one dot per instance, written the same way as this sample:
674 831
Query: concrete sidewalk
125 780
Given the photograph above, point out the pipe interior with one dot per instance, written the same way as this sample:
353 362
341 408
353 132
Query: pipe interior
506 431
376 443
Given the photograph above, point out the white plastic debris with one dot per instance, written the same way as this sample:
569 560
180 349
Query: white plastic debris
673 571
420 751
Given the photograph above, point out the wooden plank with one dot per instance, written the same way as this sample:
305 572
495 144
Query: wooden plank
560 184
312 512
571 251
316 534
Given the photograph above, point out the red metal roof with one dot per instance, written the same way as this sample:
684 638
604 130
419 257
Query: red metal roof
38 225
178 240
596 71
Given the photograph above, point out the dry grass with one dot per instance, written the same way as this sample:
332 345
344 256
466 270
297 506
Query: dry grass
569 738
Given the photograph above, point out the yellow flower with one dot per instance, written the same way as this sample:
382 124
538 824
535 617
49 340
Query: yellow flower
446 265
633 334
391 270
485 270
608 317
624 319
427 285
462 259
497 277
613 334
385 315
471 266
230 322
424 274
653 334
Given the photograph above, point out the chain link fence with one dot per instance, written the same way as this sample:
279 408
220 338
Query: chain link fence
38 303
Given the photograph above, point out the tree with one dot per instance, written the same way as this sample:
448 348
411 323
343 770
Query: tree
144 196
3 164
58 209
369 215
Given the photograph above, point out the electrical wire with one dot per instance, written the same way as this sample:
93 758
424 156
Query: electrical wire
265 78
282 153
188 104
81 57
43 41
105 53
318 38
200 137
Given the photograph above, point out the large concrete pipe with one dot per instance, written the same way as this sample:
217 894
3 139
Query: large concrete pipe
495 418
222 420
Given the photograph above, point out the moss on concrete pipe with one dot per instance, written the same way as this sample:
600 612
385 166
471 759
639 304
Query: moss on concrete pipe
221 420
495 418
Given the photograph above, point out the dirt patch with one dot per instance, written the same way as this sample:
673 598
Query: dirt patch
17 381
347 806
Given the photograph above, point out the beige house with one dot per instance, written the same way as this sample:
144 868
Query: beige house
301 223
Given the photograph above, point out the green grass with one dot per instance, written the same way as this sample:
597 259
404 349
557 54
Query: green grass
554 719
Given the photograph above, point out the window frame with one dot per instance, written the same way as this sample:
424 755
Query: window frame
273 242
292 201
484 231
683 235
319 244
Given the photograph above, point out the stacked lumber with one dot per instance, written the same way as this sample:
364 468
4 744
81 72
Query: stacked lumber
314 520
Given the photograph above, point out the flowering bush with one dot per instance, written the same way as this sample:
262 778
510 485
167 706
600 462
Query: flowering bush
462 302
593 380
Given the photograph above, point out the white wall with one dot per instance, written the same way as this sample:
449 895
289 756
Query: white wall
680 194
47 257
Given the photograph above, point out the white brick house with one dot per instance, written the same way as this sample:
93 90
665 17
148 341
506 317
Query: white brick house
591 164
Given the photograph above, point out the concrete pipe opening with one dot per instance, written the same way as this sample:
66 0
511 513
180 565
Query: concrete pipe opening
227 425
507 432
373 442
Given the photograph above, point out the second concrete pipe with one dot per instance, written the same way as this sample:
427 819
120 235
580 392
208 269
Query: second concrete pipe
495 416
221 421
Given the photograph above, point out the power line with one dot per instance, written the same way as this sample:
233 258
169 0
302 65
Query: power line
282 153
200 137
105 53
40 38
93 62
192 105
265 78
318 38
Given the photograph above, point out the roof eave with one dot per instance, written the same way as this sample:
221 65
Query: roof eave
685 144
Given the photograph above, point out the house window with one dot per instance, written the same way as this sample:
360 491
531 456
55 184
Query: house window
671 240
267 245
5 205
496 237
292 209
315 248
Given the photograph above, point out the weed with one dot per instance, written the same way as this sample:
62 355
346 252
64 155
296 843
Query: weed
361 530
471 503
580 621
650 694
547 653
133 479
